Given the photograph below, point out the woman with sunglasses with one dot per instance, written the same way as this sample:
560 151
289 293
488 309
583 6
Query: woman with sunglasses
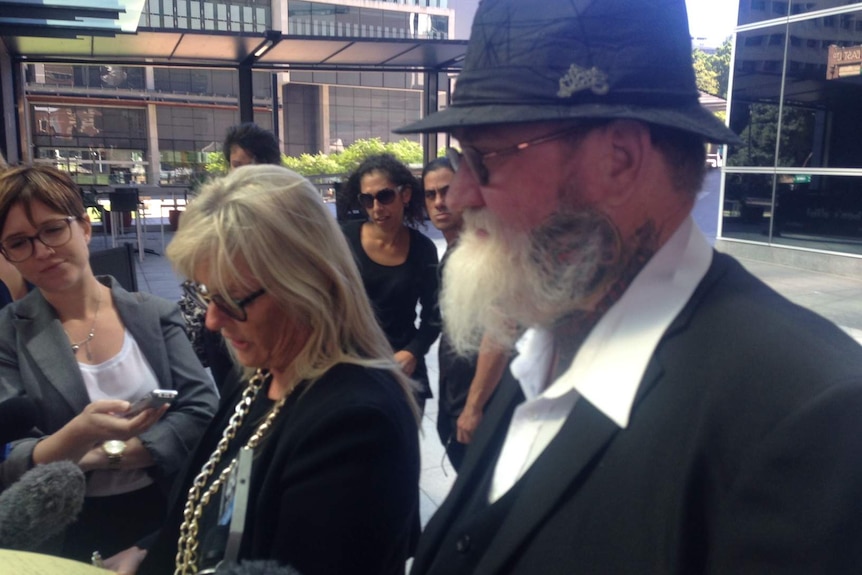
82 349
324 416
398 263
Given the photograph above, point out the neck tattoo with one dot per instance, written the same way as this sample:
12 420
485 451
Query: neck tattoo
90 335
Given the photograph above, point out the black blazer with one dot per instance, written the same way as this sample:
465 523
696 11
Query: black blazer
335 487
743 455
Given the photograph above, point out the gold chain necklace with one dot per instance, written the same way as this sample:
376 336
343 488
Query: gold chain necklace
187 546
90 335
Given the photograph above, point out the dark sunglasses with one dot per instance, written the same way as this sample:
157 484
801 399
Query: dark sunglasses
234 308
385 197
476 159
431 194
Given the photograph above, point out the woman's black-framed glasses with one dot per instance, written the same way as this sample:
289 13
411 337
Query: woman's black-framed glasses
476 159
52 234
234 308
385 197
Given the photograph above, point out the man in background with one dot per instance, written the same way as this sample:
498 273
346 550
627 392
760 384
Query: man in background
248 143
466 383
667 412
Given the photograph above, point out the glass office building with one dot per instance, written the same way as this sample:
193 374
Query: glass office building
118 124
795 184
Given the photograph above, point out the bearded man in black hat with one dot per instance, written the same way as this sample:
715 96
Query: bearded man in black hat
667 412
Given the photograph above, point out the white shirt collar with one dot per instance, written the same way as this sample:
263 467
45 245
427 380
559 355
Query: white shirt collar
610 364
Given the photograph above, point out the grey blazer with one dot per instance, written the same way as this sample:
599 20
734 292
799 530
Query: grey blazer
36 360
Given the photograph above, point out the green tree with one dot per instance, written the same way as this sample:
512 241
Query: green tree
721 66
713 70
704 74
761 135
407 151
311 165
352 156
216 163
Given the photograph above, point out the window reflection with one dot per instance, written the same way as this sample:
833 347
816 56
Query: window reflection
798 118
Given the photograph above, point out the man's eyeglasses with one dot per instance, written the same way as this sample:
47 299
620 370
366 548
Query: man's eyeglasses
476 159
385 197
234 308
53 234
431 194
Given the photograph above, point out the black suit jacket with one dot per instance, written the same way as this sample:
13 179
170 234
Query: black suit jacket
334 486
743 455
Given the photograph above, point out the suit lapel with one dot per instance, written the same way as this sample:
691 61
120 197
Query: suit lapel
570 457
563 464
47 343
481 454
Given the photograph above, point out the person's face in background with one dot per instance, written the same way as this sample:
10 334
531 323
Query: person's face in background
436 186
384 215
239 157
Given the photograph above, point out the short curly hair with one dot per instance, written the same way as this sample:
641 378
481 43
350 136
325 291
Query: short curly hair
261 144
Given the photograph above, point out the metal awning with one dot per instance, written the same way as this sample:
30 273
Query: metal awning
107 32
222 49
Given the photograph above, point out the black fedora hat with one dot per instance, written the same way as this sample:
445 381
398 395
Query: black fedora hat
554 60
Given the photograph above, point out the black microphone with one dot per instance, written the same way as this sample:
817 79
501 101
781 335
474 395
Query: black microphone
40 505
18 415
255 568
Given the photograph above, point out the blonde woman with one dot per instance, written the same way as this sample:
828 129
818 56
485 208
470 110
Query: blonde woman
326 412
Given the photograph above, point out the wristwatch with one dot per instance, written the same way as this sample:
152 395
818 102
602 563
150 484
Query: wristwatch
114 449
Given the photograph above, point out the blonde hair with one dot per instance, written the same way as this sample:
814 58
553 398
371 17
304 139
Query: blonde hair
274 221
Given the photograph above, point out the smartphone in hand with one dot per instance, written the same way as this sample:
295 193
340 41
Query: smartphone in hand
156 398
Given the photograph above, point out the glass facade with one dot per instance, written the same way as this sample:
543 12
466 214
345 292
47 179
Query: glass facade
97 144
361 113
108 144
797 179
112 123
321 19
244 16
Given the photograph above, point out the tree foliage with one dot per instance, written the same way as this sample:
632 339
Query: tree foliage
760 137
713 70
407 151
703 72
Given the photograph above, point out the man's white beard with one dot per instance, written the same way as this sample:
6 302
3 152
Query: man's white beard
502 282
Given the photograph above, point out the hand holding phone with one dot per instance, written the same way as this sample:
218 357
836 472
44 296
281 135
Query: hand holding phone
154 399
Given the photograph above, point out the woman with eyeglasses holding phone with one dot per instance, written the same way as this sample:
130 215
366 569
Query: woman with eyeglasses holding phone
83 349
325 418
397 262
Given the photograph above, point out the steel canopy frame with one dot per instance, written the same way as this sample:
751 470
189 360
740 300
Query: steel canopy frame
271 51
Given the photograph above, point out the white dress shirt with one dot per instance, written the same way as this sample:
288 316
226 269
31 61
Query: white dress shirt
609 366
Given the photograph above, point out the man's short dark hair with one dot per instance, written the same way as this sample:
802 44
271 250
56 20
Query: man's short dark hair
685 154
441 163
261 144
